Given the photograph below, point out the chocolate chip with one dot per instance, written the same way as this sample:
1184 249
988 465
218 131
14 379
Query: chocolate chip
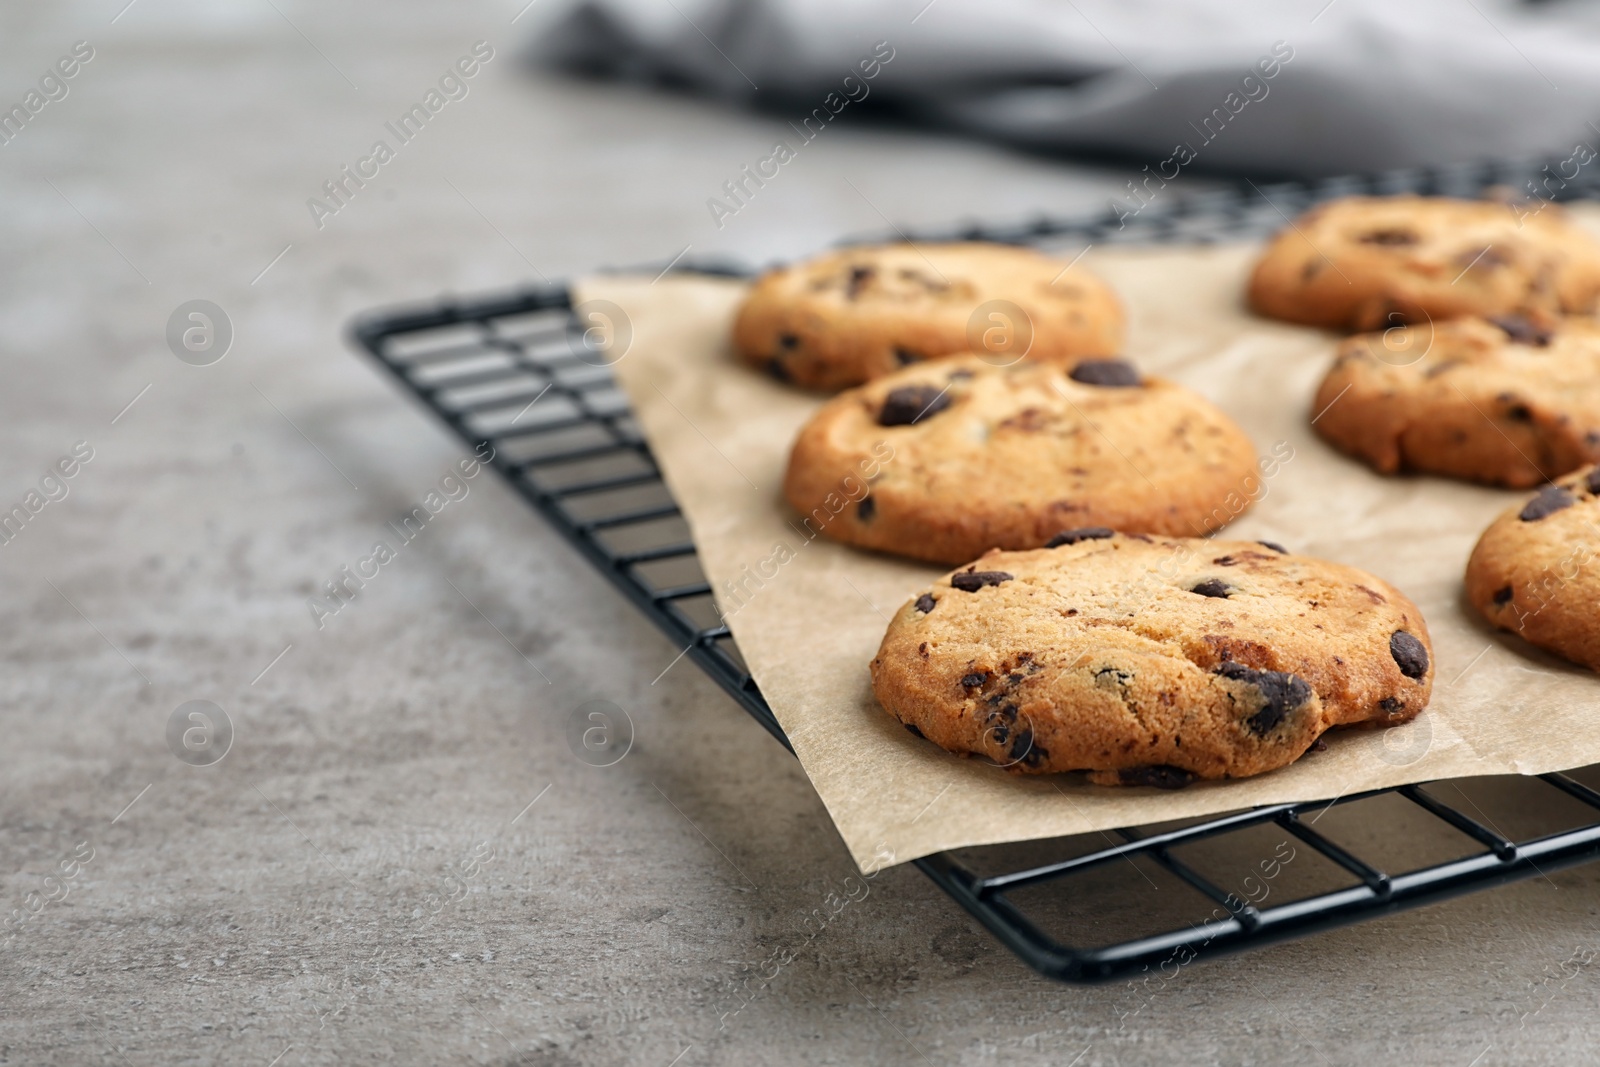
1072 537
866 509
904 356
912 403
1001 731
1112 373
1281 693
776 368
913 728
974 680
1592 482
1519 413
1214 587
1275 547
925 603
1409 655
1551 499
1392 238
1007 712
1391 705
972 581
788 340
1160 776
1319 745
1022 745
859 277
1503 594
1112 676
1523 330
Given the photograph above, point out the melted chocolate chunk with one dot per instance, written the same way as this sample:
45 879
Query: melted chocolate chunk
912 403
1503 594
1072 537
1111 373
925 603
1551 499
1592 482
974 680
859 277
1275 547
1023 749
1214 587
972 581
1160 776
1390 238
1409 655
913 728
1281 693
1490 257
1523 330
866 509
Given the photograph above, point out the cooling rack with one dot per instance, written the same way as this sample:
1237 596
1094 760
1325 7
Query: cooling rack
1076 909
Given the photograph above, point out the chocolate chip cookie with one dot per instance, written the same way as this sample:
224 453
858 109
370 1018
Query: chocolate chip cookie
945 460
1536 570
1151 661
851 316
1364 263
1513 400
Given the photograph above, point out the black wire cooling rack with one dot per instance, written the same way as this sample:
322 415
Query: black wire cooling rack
1266 874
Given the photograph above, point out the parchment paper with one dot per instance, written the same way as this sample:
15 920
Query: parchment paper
722 435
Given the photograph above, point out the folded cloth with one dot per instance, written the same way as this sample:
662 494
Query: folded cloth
1291 87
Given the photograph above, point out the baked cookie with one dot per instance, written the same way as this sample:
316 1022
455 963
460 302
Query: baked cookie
851 316
945 460
1363 263
1536 570
1509 401
1151 661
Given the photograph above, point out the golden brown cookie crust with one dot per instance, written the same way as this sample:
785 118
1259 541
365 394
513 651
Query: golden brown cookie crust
1008 457
1151 660
1364 263
1535 572
848 317
1512 402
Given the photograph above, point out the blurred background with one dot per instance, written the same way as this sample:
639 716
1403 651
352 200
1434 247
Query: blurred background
280 903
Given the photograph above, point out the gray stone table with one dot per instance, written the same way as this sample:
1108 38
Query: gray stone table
399 860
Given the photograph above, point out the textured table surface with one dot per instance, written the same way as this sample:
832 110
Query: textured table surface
399 859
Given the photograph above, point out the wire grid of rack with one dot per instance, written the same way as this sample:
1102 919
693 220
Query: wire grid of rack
579 459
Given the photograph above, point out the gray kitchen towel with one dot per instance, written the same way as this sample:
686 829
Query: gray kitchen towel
1293 87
